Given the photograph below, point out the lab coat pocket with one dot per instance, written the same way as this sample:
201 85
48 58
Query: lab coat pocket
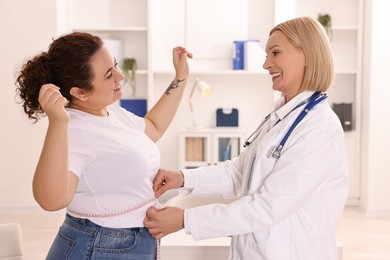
260 167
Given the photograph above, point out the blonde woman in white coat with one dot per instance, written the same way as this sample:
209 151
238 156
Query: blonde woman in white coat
288 200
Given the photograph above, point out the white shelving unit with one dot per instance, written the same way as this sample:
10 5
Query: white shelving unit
123 20
206 146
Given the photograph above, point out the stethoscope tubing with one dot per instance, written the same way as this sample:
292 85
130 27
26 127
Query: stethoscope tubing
311 102
314 100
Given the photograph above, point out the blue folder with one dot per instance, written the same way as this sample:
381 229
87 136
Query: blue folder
227 117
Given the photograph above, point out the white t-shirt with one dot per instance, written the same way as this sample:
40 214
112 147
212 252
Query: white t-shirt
116 163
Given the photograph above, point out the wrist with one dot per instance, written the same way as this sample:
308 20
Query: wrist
180 78
182 178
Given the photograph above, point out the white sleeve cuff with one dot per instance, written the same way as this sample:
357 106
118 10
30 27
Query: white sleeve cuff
186 226
190 181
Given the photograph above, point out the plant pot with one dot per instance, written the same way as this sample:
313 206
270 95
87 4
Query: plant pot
136 106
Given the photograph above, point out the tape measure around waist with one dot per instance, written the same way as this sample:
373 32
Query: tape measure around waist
113 214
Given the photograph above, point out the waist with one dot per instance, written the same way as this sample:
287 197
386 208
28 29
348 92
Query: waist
87 225
131 216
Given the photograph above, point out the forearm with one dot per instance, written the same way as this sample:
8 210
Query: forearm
161 115
222 180
51 183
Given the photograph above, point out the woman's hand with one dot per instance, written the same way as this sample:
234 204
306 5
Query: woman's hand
53 103
162 222
180 55
166 180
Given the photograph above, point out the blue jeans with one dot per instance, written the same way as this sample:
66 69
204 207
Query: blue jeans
80 239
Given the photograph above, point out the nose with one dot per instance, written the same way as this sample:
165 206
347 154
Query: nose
267 64
119 73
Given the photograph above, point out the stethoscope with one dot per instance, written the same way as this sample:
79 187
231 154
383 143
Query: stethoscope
276 151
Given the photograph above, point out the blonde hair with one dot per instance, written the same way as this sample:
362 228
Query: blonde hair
307 34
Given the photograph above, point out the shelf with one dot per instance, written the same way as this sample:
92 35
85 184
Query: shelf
202 130
345 72
111 29
217 72
344 28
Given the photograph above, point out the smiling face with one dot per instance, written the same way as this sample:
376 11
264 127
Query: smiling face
286 65
106 85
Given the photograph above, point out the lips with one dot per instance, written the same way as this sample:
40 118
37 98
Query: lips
275 75
117 88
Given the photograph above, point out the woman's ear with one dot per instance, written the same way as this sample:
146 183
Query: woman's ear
79 93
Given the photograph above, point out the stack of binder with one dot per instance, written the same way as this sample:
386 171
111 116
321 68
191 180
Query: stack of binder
248 55
344 112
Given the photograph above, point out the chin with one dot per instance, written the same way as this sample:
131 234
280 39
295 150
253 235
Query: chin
118 95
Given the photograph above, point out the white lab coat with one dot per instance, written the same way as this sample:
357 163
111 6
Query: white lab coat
287 208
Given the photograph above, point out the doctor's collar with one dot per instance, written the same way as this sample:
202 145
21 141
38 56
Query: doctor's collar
281 108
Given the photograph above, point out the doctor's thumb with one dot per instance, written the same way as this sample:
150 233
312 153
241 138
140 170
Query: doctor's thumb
151 211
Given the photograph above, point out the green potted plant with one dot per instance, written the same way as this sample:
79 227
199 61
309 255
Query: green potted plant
130 101
326 21
129 69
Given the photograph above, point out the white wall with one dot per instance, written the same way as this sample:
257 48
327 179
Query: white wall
27 28
375 196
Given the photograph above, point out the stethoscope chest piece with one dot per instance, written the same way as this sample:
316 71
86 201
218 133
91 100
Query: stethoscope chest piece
275 152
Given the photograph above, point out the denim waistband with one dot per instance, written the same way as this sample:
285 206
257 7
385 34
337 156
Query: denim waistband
87 226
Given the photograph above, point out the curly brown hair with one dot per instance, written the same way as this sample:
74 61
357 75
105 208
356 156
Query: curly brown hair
66 64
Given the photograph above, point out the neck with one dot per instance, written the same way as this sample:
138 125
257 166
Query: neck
93 111
289 96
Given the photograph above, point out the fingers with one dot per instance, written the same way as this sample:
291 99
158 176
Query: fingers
180 55
161 183
159 180
46 92
161 190
50 95
154 225
158 235
179 51
150 212
166 180
164 221
53 103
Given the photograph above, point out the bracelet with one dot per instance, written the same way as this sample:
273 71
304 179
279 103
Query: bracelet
182 174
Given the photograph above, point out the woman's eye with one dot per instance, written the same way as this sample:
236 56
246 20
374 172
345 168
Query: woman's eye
275 53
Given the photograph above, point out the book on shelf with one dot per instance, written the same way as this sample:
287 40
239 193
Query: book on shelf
194 149
238 55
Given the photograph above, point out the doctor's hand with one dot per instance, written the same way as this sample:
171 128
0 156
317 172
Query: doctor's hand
166 180
164 221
